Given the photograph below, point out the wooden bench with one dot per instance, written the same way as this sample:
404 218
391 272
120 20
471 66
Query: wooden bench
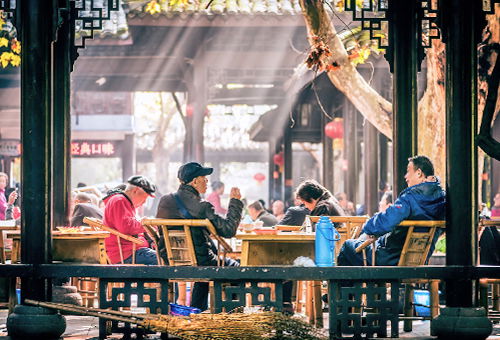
415 252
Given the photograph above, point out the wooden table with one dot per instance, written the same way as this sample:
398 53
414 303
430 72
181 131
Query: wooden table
81 247
5 226
280 249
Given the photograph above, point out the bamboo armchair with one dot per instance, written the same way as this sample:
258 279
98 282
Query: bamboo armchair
485 283
97 223
179 243
415 252
350 227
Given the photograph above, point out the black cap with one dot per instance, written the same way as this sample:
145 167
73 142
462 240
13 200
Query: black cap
143 183
191 170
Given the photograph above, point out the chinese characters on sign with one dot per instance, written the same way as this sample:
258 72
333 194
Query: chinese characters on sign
95 149
10 147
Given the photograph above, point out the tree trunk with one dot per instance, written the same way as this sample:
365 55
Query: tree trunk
160 153
431 111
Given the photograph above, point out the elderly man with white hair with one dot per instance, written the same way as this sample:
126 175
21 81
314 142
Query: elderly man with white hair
120 214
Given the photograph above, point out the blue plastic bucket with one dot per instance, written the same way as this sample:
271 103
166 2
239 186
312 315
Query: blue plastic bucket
181 310
422 297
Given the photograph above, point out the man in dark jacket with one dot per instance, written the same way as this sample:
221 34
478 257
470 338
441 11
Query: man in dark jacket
186 203
257 213
424 199
84 208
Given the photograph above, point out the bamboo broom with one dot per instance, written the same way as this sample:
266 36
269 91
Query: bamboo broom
221 326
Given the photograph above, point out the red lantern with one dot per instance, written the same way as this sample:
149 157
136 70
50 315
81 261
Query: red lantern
279 159
335 129
259 177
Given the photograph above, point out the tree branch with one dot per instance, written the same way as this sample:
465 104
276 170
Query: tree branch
376 109
484 139
179 108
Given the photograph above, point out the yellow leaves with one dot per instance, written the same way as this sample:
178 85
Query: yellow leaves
5 58
4 42
10 48
15 60
10 55
360 55
174 3
153 7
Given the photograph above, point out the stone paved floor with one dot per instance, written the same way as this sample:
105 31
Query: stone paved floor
87 328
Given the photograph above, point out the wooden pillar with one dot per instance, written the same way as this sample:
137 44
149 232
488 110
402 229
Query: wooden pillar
351 150
371 160
288 168
128 157
403 30
61 175
188 154
199 108
460 18
328 161
277 175
383 159
36 95
270 175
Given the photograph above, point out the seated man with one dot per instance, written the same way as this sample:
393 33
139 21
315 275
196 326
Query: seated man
257 213
120 214
84 208
424 199
186 203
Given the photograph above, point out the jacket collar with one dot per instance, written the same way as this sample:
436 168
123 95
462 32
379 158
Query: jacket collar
424 187
189 189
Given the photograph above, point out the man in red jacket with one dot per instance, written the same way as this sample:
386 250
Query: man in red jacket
120 214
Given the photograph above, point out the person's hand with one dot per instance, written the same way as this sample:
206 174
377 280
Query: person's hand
235 193
12 197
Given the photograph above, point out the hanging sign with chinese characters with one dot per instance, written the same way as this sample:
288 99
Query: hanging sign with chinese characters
96 148
10 147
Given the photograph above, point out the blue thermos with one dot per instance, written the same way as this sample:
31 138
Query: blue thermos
326 236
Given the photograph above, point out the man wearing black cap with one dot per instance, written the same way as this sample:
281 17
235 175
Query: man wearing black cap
120 214
186 203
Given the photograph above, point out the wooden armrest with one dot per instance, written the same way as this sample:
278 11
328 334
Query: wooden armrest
189 222
94 222
365 244
152 233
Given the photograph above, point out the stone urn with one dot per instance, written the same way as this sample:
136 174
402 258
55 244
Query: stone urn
30 322
461 323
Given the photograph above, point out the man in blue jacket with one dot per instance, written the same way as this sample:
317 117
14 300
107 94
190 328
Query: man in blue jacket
424 199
